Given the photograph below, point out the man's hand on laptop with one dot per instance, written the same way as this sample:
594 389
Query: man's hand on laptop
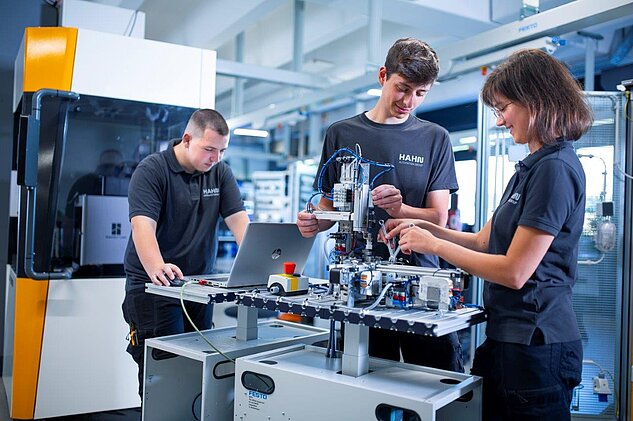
163 274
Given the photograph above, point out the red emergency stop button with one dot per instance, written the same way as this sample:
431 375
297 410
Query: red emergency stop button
289 268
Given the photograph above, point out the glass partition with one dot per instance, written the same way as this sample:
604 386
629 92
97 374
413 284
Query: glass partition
597 295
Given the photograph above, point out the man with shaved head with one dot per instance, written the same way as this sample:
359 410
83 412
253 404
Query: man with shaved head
176 199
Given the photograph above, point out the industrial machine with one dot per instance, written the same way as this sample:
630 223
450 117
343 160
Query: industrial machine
361 291
356 275
89 106
265 384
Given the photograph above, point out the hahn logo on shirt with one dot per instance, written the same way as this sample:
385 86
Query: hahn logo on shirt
211 192
407 159
514 199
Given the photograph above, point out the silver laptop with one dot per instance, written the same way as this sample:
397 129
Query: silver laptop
264 249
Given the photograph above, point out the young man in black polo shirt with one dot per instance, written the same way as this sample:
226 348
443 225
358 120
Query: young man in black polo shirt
176 199
419 187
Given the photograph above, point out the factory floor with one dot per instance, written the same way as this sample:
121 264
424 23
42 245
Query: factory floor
133 414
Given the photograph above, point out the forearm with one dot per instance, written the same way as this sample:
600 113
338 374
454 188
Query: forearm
433 215
237 223
512 269
147 248
495 268
468 240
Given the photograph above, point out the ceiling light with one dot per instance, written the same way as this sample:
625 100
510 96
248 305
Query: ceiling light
374 92
250 132
467 140
461 148
602 122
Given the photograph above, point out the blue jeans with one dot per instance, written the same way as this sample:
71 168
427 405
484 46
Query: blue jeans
528 382
153 316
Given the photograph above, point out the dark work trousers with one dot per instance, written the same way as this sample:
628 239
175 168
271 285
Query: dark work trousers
528 382
152 316
444 352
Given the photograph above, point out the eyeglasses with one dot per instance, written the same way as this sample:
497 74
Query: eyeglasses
498 112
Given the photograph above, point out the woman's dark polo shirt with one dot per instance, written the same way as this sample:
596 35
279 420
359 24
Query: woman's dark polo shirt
547 192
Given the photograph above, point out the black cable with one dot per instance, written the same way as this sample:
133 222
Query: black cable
330 351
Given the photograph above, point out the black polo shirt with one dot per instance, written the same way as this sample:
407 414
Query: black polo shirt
420 151
547 192
186 208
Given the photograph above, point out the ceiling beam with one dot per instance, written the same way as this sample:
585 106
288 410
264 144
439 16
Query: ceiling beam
310 46
567 18
270 74
623 47
208 24
258 118
434 19
245 20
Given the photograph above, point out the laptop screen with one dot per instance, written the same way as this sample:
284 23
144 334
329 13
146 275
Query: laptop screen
264 249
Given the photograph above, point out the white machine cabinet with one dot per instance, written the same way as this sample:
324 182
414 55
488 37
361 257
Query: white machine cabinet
195 379
299 383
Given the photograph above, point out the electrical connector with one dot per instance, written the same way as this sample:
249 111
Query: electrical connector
601 387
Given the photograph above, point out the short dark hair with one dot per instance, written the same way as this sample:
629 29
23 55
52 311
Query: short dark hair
207 118
539 82
414 60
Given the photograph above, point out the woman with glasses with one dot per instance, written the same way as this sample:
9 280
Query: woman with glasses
527 252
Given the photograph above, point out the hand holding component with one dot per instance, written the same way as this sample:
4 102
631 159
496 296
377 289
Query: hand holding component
307 223
388 198
394 226
416 239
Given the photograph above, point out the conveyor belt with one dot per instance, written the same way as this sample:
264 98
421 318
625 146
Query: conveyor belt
418 321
